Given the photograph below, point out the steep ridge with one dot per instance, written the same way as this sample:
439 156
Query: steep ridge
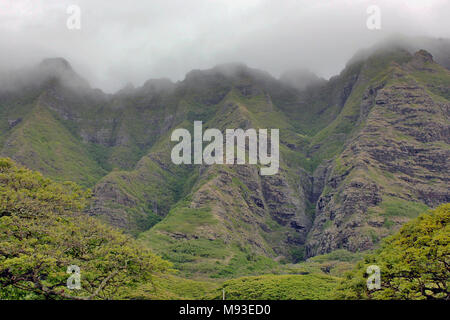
229 212
39 141
247 218
395 166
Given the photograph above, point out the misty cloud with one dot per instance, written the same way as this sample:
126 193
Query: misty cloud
132 41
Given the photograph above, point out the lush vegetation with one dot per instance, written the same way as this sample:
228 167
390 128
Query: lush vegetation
42 232
280 287
41 142
414 263
172 287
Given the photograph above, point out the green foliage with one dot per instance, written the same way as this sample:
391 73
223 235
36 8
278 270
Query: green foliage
327 224
280 287
170 287
151 188
245 262
298 254
41 142
336 263
186 220
199 257
337 255
414 263
393 207
437 81
42 233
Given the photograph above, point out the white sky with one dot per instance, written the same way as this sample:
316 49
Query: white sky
132 41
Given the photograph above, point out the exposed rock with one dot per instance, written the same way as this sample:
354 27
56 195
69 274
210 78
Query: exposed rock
403 144
14 122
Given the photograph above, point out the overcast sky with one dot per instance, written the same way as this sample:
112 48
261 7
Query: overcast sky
132 41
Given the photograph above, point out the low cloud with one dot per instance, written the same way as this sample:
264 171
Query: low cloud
132 41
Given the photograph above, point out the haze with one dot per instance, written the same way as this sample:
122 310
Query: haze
132 41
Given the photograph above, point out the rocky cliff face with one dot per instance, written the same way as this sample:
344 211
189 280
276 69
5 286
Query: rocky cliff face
243 210
397 160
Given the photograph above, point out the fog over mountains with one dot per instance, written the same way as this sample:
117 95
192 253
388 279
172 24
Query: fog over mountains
156 39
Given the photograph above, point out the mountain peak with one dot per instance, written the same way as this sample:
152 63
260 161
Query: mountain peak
424 55
61 69
159 84
300 78
228 70
58 63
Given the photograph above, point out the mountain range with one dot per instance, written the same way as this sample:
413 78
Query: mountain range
360 154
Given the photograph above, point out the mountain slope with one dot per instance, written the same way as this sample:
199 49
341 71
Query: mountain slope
395 166
226 214
39 141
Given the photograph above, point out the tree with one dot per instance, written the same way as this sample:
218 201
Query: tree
43 231
414 263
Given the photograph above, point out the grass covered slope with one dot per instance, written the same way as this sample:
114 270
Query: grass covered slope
281 287
232 221
41 142
172 287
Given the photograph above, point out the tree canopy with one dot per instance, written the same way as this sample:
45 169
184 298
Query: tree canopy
414 263
43 231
